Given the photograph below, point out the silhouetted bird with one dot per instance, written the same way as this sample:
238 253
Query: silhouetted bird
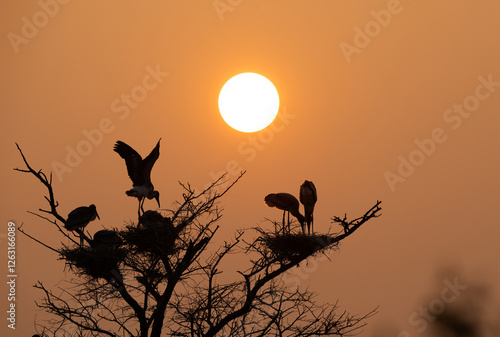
139 171
150 217
287 203
308 198
106 237
106 257
79 218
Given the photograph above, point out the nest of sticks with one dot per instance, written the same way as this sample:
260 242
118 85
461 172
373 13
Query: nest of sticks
97 262
154 234
288 247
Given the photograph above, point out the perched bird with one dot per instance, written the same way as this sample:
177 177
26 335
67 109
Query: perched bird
308 198
139 171
150 217
287 203
105 257
79 218
106 237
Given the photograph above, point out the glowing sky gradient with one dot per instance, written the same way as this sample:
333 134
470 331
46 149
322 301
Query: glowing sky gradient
379 100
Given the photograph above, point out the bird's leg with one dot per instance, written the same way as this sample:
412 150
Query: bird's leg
283 223
289 223
139 208
79 231
142 205
85 237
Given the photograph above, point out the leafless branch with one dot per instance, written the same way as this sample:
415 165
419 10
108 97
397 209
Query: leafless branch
20 229
161 276
48 184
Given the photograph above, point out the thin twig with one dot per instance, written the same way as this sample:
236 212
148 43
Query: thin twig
35 239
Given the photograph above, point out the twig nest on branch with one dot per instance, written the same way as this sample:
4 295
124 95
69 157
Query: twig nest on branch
154 233
97 262
106 237
292 246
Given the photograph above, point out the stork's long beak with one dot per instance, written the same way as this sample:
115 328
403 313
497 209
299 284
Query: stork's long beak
97 215
157 197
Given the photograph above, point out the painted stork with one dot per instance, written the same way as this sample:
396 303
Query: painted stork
79 218
150 217
139 171
104 244
106 237
308 198
287 203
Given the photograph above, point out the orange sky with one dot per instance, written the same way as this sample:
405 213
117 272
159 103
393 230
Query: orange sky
353 107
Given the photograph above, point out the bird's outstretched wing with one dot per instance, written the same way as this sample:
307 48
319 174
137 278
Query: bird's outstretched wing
133 160
150 160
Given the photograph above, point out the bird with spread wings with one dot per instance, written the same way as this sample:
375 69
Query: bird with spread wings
139 171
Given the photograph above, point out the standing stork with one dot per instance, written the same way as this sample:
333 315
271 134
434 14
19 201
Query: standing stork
79 218
287 203
308 198
139 171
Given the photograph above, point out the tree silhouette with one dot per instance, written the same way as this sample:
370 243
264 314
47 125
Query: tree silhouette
157 276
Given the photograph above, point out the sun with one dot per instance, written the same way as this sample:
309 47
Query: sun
248 102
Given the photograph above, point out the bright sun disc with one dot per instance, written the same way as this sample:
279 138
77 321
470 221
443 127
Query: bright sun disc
248 102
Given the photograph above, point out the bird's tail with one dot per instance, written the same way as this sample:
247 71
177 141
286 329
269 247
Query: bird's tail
131 193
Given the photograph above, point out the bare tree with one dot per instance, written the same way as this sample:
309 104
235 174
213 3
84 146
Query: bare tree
161 278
